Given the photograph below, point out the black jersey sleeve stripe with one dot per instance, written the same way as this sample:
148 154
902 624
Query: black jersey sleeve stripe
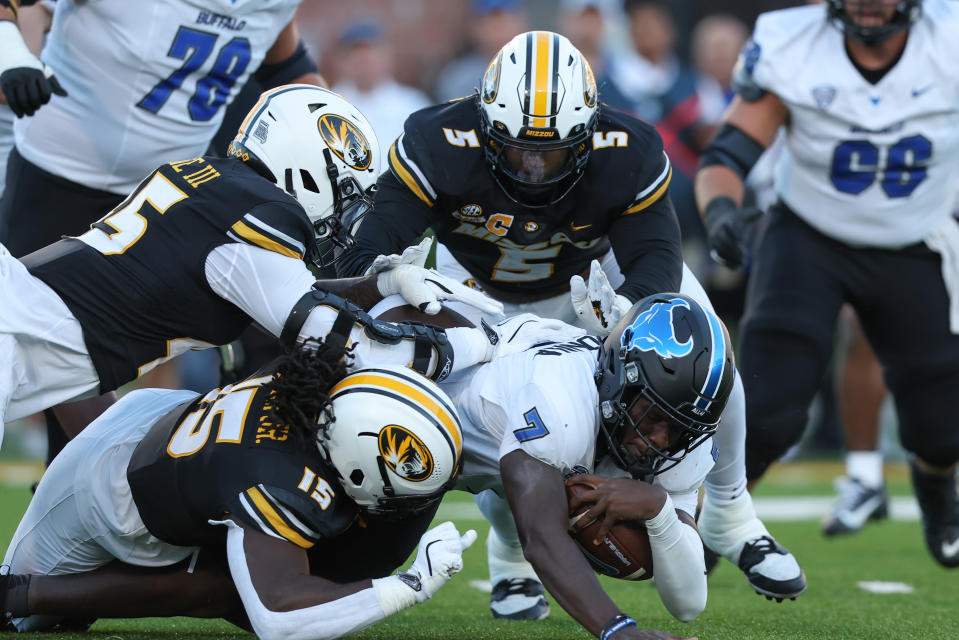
654 191
272 517
410 174
249 235
272 232
253 516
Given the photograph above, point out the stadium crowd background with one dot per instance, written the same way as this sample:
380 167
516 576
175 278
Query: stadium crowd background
670 62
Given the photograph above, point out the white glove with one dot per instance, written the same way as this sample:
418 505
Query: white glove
598 306
438 558
415 255
423 288
526 330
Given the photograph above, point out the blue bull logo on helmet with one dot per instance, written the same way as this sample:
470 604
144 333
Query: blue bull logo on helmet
652 330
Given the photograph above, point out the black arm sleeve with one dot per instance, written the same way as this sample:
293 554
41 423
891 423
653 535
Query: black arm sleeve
647 247
397 219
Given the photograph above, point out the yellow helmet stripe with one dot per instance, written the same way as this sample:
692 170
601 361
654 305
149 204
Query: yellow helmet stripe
542 79
276 520
403 174
409 391
261 104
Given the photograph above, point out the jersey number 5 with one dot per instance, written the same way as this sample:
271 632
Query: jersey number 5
194 47
121 228
857 163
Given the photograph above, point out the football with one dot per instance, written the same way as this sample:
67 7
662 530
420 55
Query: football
624 553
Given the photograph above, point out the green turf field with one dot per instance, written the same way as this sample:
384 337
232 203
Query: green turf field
835 607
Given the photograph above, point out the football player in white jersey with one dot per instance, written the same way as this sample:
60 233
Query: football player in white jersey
644 404
869 99
206 246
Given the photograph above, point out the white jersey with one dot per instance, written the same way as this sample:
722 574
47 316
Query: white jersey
148 83
869 165
544 401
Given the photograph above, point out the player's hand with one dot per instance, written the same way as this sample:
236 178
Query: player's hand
726 226
520 332
598 306
424 288
613 500
439 557
26 82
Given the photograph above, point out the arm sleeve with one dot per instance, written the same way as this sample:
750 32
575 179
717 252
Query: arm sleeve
320 622
678 562
263 283
399 215
647 247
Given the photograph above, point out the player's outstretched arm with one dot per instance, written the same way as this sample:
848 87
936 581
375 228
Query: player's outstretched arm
284 602
537 498
673 538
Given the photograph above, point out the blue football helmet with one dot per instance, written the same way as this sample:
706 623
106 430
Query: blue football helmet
676 354
907 12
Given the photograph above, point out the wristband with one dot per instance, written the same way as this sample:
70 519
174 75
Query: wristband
617 623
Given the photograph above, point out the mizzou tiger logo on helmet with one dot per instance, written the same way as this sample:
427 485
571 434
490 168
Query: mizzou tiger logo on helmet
346 140
404 453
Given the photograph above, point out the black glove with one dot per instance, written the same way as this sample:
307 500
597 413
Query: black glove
28 88
726 226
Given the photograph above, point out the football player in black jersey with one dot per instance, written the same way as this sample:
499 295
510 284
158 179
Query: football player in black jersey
275 471
527 184
205 246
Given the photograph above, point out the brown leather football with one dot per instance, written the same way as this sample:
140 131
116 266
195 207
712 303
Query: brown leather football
624 553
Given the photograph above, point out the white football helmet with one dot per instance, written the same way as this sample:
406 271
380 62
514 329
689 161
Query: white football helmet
316 146
538 108
395 440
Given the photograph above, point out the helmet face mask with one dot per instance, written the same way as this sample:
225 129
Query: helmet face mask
316 146
394 439
538 111
863 20
669 360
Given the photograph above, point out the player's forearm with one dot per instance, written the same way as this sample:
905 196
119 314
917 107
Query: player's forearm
569 579
717 181
679 564
648 250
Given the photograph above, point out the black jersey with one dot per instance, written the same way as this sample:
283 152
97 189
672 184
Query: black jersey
221 455
439 178
136 281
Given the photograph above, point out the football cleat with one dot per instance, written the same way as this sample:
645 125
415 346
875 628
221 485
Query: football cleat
939 507
519 599
735 532
857 505
771 570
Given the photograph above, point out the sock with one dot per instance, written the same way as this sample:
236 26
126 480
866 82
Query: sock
866 467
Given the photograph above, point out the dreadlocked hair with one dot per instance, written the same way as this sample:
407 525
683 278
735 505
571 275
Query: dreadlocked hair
298 398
